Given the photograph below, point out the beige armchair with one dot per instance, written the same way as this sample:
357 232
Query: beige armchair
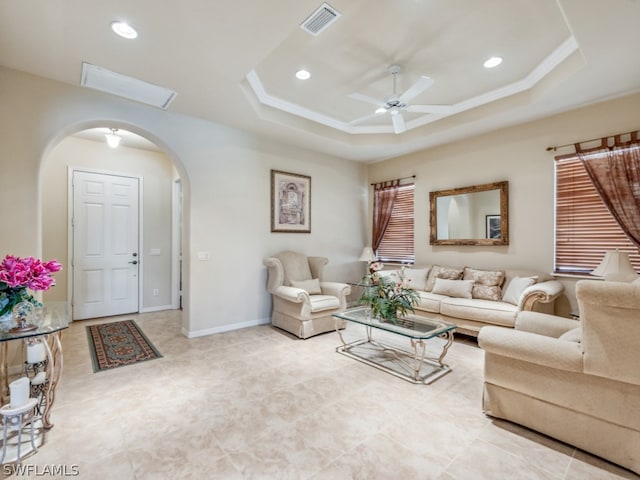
302 302
577 381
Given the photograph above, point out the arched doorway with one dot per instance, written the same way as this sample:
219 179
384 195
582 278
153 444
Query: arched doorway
158 255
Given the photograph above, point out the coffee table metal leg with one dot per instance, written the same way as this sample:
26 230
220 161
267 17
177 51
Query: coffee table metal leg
336 321
449 336
369 336
419 348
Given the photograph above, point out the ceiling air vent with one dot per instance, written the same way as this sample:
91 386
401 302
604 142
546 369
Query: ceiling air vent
128 87
320 19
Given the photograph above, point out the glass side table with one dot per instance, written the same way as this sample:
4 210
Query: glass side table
49 326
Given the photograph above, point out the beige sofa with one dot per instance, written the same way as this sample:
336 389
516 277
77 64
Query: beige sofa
472 298
577 381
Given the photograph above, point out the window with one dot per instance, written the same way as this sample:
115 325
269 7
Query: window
584 227
397 241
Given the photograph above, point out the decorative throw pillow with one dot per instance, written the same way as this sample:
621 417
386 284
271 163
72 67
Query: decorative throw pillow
312 287
442 272
484 277
416 278
486 292
573 335
516 286
453 288
487 283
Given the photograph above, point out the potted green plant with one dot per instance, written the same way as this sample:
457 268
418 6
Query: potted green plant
387 297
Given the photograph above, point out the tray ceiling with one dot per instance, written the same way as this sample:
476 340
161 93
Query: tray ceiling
234 62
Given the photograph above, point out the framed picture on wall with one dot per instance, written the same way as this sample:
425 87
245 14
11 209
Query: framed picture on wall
290 202
493 226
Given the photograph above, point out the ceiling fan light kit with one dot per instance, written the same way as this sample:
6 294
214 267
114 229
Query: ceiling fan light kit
394 104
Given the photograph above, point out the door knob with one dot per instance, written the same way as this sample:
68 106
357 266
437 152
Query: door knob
135 262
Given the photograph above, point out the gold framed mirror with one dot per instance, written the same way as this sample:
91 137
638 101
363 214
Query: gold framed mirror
475 215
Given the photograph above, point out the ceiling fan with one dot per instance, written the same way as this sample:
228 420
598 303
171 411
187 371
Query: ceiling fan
394 104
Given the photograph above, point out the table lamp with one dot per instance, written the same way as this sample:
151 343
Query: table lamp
368 256
616 267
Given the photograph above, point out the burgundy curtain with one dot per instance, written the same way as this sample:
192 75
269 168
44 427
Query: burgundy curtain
615 173
384 198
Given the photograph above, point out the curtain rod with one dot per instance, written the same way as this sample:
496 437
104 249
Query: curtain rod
394 180
553 149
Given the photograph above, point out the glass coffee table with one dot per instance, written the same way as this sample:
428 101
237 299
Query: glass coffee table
414 366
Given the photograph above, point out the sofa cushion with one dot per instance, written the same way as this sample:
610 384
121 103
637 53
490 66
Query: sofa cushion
323 302
516 286
429 301
487 311
437 271
453 288
416 277
312 287
573 335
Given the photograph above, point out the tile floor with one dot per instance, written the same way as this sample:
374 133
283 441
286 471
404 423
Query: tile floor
259 404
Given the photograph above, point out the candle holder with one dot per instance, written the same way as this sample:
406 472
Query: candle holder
22 313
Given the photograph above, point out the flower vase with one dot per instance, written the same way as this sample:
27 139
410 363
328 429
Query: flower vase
7 316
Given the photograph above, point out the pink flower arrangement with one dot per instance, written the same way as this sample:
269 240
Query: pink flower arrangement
28 272
17 274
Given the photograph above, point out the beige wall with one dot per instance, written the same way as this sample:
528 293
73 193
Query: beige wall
226 180
156 172
516 154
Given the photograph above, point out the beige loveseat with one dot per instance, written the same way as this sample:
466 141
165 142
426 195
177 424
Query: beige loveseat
577 381
472 298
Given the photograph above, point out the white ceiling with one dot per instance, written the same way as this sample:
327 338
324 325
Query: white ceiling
233 61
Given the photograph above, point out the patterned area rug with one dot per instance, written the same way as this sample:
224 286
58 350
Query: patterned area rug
117 344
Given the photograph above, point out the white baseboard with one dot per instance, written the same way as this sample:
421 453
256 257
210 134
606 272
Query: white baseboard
225 328
157 309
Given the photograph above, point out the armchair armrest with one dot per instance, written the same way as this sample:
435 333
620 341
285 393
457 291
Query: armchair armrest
543 292
532 348
339 290
335 288
292 294
544 323
275 273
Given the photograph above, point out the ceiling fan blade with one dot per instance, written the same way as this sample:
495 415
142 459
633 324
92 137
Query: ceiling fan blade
367 99
416 89
445 109
398 123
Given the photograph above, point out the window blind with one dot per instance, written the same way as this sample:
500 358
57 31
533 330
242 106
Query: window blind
397 242
584 227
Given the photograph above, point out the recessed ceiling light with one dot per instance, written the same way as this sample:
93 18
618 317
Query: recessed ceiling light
303 75
493 62
124 30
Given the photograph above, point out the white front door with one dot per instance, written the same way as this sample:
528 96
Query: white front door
105 245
